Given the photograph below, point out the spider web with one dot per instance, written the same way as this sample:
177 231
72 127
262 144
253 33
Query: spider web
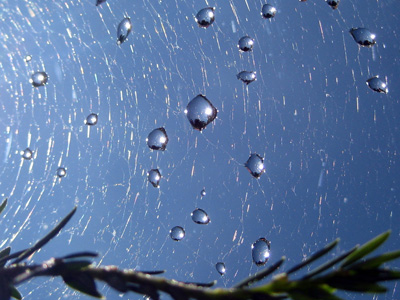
330 144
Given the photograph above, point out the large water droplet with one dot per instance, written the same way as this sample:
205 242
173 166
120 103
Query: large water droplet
377 85
199 216
61 172
154 177
91 119
255 165
39 79
247 76
27 154
220 266
203 192
363 36
177 233
124 28
260 251
157 139
200 112
246 43
333 3
205 17
268 11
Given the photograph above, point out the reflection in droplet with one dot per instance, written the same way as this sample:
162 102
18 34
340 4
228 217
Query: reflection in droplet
28 58
203 192
124 28
157 139
246 43
177 233
363 36
27 154
268 11
61 172
205 17
255 165
333 3
247 76
377 85
91 119
220 266
38 79
154 177
199 216
260 251
200 112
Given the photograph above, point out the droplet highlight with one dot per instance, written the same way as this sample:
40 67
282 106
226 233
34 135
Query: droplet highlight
39 79
247 76
261 251
154 177
255 165
124 28
157 139
200 112
177 233
205 17
199 216
377 85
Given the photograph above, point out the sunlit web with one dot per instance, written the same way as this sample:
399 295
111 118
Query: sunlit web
329 142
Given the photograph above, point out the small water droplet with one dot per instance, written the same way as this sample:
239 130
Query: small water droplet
39 79
177 233
61 172
203 192
199 216
205 17
260 251
268 11
246 43
100 2
27 154
200 112
124 28
377 85
28 58
363 36
91 119
333 3
157 139
154 177
220 266
247 76
255 165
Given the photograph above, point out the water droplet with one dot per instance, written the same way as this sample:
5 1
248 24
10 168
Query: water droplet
124 28
61 172
177 233
157 139
246 43
268 11
39 79
28 58
200 112
27 154
199 216
203 192
205 17
333 3
154 177
220 266
100 2
260 251
377 85
247 76
255 165
363 36
91 119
